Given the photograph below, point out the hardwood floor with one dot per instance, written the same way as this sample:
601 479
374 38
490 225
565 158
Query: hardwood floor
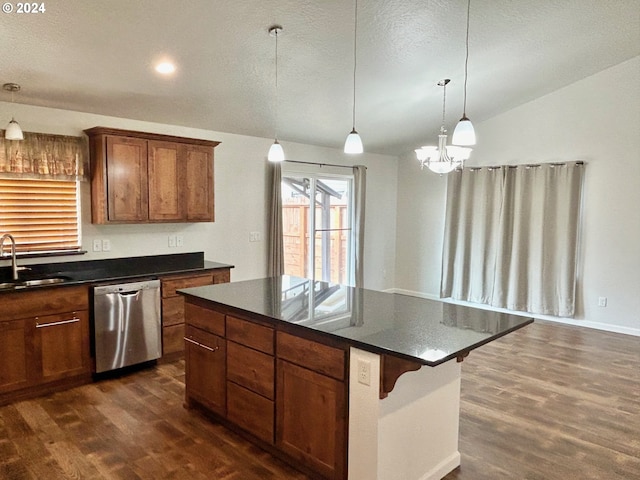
547 402
551 402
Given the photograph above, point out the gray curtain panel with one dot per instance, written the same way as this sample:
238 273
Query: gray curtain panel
275 254
511 237
359 197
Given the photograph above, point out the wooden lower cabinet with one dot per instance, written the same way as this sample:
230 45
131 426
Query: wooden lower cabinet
44 341
14 370
206 361
311 419
173 306
288 392
60 340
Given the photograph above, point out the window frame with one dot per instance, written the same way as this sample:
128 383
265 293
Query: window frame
315 173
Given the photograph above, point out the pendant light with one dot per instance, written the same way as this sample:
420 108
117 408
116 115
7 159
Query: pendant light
443 158
353 144
276 153
13 130
464 134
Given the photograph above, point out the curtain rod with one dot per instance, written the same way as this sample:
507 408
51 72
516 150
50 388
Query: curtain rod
578 163
324 164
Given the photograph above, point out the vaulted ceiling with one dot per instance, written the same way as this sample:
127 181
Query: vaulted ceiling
98 57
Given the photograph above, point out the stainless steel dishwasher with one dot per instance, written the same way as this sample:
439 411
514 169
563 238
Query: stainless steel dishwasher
127 324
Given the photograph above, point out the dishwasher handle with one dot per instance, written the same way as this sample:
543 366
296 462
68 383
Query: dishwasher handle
129 293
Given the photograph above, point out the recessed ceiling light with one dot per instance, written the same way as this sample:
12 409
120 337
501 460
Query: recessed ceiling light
165 68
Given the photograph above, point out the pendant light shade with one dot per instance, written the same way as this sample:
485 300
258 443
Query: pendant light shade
464 133
13 130
353 143
276 153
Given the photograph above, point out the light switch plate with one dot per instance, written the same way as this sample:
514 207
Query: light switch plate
97 245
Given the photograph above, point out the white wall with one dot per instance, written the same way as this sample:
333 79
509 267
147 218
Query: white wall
596 120
240 198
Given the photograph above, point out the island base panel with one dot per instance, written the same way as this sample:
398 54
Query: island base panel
412 434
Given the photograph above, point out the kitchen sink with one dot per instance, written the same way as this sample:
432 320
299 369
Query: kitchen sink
42 281
32 283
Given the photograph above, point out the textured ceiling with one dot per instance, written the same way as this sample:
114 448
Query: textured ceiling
97 57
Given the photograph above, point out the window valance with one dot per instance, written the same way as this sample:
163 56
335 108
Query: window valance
45 157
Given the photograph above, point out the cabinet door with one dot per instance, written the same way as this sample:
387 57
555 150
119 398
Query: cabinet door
63 343
311 419
205 365
127 179
166 179
14 355
198 194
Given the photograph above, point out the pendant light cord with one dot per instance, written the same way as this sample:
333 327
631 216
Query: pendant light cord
355 63
276 127
466 62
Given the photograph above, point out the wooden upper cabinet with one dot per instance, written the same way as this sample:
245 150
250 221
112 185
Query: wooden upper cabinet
166 182
198 169
126 172
139 177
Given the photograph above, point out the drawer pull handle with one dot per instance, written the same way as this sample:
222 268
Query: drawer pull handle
53 324
202 345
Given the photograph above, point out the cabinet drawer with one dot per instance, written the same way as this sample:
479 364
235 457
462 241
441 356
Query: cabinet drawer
173 339
250 411
203 318
250 334
25 304
205 339
312 355
172 310
251 369
170 285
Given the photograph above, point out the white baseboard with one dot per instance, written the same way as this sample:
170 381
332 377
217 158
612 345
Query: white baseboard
567 321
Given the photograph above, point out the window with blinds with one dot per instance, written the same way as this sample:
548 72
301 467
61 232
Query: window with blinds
42 215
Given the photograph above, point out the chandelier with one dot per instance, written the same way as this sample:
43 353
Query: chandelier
443 158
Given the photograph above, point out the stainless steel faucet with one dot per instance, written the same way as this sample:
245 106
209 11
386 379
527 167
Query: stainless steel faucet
14 263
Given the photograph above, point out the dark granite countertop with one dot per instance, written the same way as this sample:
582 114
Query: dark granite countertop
115 269
428 331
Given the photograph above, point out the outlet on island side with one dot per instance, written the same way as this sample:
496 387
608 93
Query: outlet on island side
364 372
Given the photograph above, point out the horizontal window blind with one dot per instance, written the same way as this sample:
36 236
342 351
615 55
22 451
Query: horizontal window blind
42 215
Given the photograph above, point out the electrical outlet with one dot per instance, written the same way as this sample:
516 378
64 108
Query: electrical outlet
97 245
364 372
172 241
602 301
179 241
106 245
255 237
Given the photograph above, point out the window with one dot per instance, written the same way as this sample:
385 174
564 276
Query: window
318 242
42 215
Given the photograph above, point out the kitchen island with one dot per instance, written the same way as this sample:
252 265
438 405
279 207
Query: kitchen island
342 382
